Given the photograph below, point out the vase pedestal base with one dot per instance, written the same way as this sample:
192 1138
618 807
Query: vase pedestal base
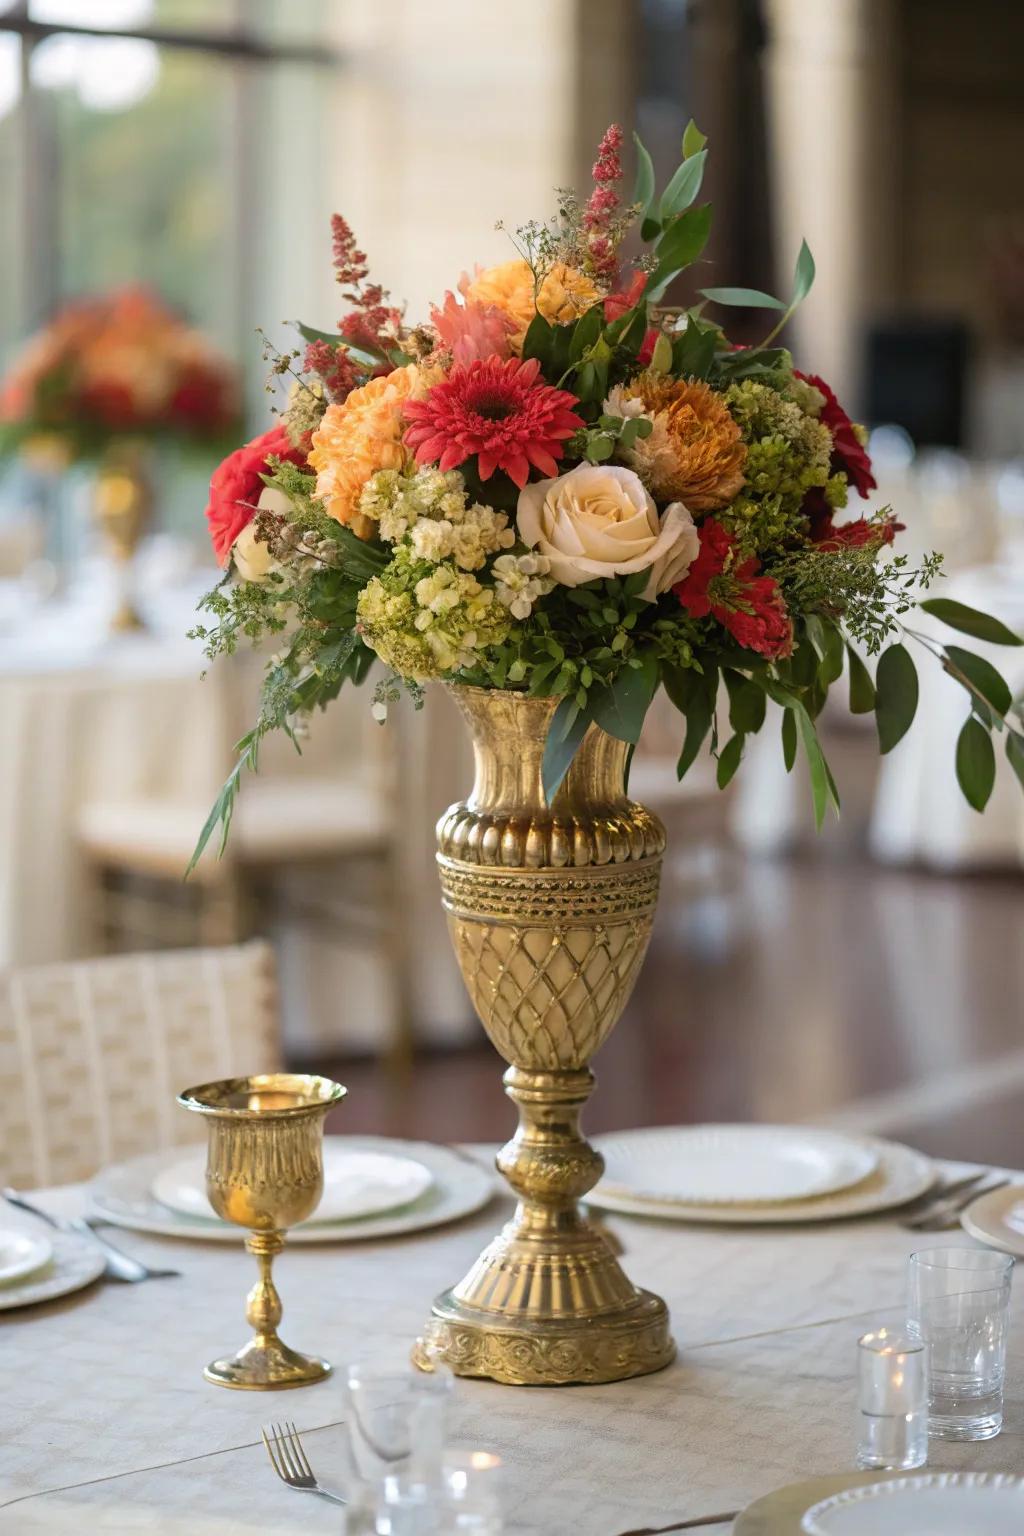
551 1343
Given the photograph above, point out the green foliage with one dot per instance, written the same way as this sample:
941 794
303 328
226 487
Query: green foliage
896 696
862 689
970 621
975 763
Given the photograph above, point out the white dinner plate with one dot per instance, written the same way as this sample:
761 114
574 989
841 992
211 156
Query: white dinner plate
932 1504
459 1185
732 1164
899 1174
22 1253
997 1219
74 1263
357 1183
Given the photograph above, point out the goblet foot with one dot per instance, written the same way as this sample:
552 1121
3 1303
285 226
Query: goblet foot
267 1365
633 1340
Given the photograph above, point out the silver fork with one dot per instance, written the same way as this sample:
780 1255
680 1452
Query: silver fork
120 1265
291 1463
944 1216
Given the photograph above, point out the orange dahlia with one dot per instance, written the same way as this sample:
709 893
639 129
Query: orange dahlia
361 435
695 453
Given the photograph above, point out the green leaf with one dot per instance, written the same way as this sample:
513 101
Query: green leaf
744 298
586 331
788 739
1015 754
539 340
694 351
729 759
970 621
620 709
803 276
678 247
693 139
371 356
643 189
988 682
363 557
746 703
831 667
568 727
681 683
683 188
823 786
975 763
896 696
699 711
862 689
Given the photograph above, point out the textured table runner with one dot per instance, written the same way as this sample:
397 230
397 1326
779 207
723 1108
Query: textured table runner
107 1425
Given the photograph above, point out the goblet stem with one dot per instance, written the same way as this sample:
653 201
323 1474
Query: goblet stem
263 1305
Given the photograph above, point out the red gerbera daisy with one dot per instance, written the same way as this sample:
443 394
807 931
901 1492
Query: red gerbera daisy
498 410
749 606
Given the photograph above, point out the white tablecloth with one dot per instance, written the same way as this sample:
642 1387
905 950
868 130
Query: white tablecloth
107 1425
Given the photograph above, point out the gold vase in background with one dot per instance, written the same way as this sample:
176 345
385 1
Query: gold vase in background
264 1171
122 506
550 911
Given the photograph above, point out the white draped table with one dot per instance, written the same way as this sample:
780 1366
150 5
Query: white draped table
106 1424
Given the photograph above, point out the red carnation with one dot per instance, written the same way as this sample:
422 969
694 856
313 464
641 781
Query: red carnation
236 485
865 530
849 456
498 410
748 605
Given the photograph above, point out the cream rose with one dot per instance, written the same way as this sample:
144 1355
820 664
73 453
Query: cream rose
253 560
599 520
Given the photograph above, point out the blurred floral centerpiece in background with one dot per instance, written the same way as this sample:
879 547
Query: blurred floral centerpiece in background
105 381
562 484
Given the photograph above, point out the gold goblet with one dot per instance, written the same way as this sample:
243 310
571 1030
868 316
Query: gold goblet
264 1171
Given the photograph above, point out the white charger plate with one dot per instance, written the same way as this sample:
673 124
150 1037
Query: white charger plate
733 1164
997 1219
357 1183
932 1504
74 1263
900 1174
22 1253
123 1195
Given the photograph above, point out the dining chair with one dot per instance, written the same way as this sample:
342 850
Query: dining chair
93 1053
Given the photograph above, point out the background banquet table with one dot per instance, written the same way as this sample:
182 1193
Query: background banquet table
106 1423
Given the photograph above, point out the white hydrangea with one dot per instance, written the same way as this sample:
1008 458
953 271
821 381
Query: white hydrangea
430 510
519 580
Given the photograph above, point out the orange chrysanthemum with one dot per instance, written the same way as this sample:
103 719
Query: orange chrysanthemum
695 454
564 295
361 435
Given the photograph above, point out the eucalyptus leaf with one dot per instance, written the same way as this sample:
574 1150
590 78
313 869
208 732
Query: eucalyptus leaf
620 709
803 276
682 190
988 682
743 298
970 621
693 140
862 689
568 727
729 759
975 763
896 690
746 703
1015 754
789 739
700 712
643 188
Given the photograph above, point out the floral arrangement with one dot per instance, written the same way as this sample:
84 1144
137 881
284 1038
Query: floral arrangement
563 484
116 366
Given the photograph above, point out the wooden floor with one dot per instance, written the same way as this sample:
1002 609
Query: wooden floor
818 988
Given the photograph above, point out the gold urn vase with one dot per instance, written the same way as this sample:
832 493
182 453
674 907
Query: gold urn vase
550 911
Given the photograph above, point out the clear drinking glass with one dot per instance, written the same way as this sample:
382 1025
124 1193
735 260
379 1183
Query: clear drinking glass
396 1417
460 1499
893 1400
959 1304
